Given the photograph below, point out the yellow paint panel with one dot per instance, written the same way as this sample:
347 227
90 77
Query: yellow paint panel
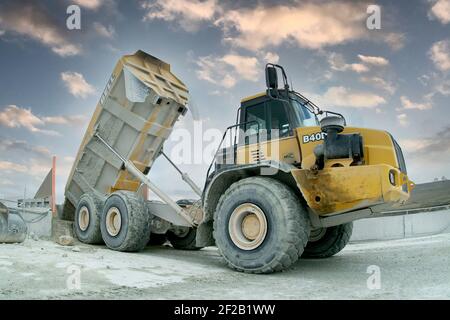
378 146
335 190
281 150
130 185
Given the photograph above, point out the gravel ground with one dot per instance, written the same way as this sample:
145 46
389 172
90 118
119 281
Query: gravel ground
409 269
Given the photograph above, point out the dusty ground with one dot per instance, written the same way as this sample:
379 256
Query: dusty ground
411 268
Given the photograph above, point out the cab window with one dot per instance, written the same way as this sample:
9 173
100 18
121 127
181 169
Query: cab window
255 117
306 117
279 120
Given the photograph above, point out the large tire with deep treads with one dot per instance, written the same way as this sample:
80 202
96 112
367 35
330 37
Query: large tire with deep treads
86 224
333 240
185 241
278 211
125 222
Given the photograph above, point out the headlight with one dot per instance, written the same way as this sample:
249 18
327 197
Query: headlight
392 177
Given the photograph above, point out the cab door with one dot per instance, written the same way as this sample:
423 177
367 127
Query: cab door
268 134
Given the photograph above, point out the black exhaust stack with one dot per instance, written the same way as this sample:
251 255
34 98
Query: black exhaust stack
337 145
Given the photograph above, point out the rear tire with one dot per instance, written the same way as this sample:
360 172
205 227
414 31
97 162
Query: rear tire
125 222
86 224
333 240
184 242
274 227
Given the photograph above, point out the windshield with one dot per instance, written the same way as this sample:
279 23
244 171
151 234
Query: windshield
307 118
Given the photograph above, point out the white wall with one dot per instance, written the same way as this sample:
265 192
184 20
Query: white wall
413 225
40 227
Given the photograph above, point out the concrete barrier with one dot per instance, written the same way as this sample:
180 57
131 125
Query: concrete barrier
398 227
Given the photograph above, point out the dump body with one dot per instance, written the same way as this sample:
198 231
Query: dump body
136 113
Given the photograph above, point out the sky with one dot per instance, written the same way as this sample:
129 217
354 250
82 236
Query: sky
395 78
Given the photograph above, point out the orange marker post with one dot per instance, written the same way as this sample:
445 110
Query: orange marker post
54 186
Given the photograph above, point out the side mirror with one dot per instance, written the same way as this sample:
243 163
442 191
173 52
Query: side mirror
271 78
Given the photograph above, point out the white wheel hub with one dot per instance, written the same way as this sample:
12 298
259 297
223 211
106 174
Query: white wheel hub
113 221
83 218
247 226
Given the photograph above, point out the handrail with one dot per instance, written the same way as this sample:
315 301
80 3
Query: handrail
234 145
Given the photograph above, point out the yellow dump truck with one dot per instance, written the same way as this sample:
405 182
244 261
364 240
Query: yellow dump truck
287 185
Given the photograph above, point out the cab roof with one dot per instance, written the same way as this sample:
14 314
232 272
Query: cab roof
255 96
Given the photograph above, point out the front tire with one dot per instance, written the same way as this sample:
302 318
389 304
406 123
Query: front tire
125 223
260 226
328 241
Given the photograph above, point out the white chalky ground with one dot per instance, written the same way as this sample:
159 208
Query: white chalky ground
408 269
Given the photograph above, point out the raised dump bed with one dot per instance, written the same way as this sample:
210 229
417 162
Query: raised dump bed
136 113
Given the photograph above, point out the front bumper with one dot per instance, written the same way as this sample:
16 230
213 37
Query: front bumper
343 189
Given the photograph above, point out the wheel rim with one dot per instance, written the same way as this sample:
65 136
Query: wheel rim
317 234
83 218
247 226
113 221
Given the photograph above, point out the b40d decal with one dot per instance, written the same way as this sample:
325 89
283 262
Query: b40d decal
314 137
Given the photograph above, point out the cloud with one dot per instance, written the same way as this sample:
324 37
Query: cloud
107 32
6 182
380 83
414 145
309 25
372 60
395 40
441 11
12 146
337 63
78 120
437 82
9 166
227 70
408 104
15 117
271 57
246 67
32 21
2 32
403 119
89 4
312 25
188 14
345 97
440 55
438 143
443 87
76 84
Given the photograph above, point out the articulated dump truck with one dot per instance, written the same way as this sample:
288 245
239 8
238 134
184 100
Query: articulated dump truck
287 185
